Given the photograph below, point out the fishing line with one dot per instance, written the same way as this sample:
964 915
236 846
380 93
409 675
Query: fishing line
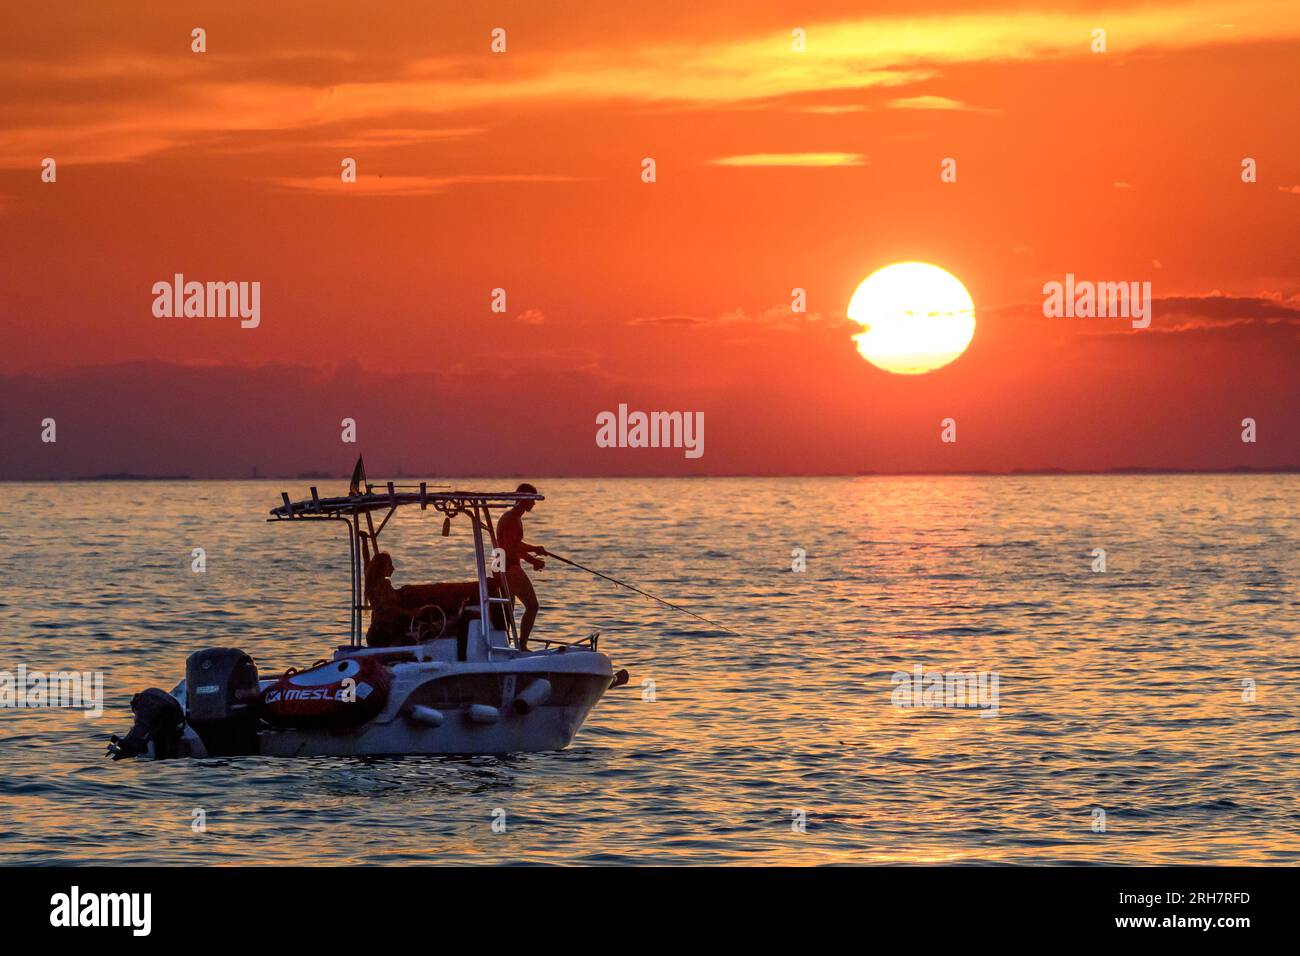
633 587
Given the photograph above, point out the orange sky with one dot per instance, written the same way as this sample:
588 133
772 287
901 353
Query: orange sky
522 170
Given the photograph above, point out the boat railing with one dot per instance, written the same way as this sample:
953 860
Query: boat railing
451 501
591 640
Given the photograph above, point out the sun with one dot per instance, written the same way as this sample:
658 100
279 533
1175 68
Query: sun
915 318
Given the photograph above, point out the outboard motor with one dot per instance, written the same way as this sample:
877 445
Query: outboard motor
221 695
158 718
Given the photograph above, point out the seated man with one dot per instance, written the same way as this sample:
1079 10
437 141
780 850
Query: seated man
391 622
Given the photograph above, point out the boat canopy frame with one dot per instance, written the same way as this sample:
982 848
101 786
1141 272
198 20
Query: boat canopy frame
353 508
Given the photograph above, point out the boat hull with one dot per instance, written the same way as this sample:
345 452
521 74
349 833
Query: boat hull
531 703
548 727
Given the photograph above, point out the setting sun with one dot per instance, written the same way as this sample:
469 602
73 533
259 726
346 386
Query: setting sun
915 318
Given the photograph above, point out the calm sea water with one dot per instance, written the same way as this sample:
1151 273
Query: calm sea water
1120 692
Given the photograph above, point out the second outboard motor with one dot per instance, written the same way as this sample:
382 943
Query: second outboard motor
158 718
221 695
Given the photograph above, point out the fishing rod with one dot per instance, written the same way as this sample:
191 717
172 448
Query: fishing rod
633 587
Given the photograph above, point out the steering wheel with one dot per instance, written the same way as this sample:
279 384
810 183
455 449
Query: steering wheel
424 630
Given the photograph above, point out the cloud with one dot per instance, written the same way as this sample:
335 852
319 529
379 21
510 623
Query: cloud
380 185
1216 307
121 430
531 317
168 102
793 159
1209 312
929 102
833 110
1212 312
1290 189
777 317
676 319
404 137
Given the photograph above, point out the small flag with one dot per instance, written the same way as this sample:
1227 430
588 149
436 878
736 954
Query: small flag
358 484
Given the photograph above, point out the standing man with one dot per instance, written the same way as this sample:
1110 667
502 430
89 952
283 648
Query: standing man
510 539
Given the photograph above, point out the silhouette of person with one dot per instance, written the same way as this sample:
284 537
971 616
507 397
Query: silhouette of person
510 538
390 622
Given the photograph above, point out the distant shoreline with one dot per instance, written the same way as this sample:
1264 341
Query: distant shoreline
122 477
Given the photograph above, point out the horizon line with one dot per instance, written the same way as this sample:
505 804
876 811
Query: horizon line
123 477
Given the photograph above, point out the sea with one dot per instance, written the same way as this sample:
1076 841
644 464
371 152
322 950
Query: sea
1095 669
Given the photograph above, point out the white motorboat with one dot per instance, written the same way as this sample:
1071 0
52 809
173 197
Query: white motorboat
457 682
